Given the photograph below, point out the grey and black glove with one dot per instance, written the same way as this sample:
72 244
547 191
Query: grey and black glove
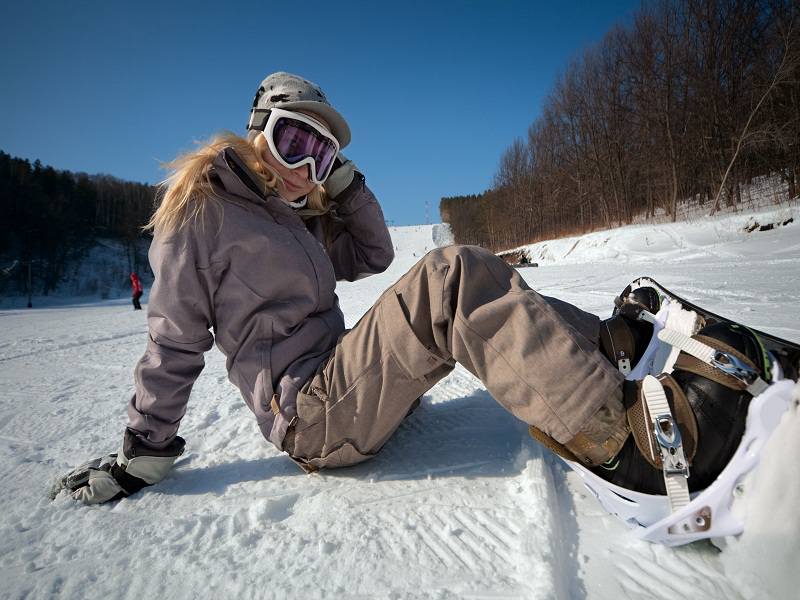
341 176
120 474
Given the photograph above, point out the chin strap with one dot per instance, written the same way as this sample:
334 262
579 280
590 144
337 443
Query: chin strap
298 203
668 442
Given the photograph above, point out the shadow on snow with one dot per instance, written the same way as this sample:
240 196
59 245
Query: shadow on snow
467 437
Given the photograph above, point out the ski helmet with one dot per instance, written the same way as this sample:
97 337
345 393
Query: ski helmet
292 92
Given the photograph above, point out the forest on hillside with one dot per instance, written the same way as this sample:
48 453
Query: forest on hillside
690 102
50 217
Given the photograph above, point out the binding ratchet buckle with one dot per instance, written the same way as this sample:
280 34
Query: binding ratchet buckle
669 440
735 367
674 466
725 362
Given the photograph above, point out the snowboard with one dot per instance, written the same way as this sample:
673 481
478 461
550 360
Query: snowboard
785 352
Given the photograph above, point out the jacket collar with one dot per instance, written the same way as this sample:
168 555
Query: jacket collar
235 177
238 180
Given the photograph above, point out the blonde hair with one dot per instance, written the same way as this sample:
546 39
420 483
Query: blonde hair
185 193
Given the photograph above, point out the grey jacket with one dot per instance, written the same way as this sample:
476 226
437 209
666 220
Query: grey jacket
263 279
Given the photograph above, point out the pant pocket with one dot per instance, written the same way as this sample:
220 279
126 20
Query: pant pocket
411 354
352 425
309 429
262 388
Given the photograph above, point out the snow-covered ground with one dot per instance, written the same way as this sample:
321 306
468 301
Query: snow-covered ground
461 503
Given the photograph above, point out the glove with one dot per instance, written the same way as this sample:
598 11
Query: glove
117 475
341 176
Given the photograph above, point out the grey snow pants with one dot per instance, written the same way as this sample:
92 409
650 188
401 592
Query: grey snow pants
536 356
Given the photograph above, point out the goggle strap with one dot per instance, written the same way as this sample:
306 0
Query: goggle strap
261 123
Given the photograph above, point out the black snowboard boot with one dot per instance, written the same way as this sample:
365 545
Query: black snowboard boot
624 336
709 405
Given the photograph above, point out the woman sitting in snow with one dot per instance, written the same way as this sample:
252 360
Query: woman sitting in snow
251 236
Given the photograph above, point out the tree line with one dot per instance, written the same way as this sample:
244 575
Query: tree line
691 101
50 217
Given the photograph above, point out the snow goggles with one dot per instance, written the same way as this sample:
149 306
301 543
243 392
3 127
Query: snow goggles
296 140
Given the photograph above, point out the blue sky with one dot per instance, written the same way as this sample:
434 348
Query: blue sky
433 91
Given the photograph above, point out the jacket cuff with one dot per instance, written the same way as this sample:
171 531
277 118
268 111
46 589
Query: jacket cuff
351 199
133 446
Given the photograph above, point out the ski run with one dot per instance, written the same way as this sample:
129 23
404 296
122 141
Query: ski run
461 503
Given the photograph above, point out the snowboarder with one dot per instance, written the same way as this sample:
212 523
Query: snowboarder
251 235
136 291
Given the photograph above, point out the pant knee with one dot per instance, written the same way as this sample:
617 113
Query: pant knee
462 253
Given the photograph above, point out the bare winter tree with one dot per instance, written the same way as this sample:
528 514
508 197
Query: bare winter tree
787 66
691 101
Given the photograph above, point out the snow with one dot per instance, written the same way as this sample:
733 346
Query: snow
771 533
461 503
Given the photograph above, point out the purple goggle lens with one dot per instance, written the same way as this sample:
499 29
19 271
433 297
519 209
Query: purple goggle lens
295 140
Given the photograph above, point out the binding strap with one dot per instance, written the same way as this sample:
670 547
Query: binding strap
548 442
641 427
666 441
715 360
617 339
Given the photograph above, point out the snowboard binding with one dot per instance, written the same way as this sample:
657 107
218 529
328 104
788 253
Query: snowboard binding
703 396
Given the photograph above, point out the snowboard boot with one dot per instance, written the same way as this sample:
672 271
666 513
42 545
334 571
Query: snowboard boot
709 404
624 336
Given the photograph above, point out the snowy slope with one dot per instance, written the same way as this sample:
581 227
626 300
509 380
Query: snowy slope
101 273
461 503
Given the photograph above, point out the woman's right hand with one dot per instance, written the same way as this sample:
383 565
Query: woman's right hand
121 474
92 482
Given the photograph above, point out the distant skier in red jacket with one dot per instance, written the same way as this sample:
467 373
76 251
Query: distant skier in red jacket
137 291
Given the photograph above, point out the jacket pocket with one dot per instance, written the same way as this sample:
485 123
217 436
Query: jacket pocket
263 389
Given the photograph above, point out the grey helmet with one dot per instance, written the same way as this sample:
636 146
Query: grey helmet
291 92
